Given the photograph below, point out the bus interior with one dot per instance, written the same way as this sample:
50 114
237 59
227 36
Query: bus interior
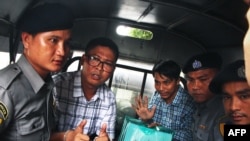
178 29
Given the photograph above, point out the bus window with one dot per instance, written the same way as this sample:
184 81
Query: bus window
127 84
5 59
149 88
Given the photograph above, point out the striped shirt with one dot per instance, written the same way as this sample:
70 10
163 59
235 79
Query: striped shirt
72 106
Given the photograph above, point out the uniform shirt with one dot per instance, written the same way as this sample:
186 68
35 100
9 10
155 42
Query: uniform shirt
176 115
25 104
222 121
72 106
206 120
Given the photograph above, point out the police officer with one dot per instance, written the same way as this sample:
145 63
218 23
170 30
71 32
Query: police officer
26 112
231 82
199 70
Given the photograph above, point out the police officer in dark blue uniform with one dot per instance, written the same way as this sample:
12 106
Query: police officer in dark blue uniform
26 103
232 84
199 71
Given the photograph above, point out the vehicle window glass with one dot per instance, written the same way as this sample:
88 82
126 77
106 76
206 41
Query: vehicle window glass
134 32
5 59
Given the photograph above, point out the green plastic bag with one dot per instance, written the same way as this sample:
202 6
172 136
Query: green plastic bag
135 130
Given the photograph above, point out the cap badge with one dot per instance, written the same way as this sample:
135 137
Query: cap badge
196 64
241 72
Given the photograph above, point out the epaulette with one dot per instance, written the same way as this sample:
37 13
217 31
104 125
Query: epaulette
8 74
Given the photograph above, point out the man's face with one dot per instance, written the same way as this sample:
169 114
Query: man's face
166 87
236 100
97 75
47 51
198 82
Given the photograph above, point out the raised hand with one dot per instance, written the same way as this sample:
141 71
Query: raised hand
141 108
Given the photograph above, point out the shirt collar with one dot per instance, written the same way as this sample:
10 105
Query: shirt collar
178 95
210 102
33 77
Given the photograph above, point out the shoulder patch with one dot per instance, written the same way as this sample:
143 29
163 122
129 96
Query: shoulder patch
3 110
222 121
1 121
222 129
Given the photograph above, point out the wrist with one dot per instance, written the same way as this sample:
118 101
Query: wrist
149 121
66 134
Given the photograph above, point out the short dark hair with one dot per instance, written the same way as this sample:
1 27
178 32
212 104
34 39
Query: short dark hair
104 42
167 68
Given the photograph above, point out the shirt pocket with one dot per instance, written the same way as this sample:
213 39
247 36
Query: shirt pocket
30 125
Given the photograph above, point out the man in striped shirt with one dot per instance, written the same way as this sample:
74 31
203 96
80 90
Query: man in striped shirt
83 95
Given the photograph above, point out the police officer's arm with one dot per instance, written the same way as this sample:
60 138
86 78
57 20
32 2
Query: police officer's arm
246 47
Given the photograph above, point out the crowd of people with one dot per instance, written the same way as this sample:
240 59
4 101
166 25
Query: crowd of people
77 106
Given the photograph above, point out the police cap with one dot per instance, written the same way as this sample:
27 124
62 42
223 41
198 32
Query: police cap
234 71
203 61
46 17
